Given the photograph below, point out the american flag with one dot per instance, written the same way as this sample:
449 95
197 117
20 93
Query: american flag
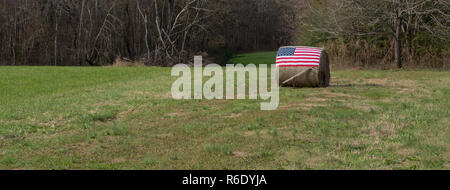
298 57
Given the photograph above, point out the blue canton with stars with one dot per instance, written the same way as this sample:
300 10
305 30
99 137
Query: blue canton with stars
286 51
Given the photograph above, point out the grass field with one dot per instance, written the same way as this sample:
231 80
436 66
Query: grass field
125 118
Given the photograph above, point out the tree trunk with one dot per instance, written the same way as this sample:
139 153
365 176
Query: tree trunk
398 35
80 41
398 49
15 33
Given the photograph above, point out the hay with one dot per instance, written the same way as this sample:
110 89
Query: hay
306 76
123 62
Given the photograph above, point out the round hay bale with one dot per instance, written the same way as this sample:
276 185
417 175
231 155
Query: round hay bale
301 66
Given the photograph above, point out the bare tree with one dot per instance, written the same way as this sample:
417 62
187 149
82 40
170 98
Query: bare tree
393 17
57 15
145 19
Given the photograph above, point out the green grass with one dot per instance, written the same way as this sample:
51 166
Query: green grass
255 58
125 118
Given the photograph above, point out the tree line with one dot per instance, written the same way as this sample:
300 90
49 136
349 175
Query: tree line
158 32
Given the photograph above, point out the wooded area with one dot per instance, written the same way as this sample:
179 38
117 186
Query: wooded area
378 32
166 32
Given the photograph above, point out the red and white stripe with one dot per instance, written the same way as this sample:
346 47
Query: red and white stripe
303 57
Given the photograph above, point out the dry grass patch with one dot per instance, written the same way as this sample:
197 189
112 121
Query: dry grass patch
303 106
406 151
306 104
82 146
167 95
380 129
366 107
176 114
330 95
241 154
